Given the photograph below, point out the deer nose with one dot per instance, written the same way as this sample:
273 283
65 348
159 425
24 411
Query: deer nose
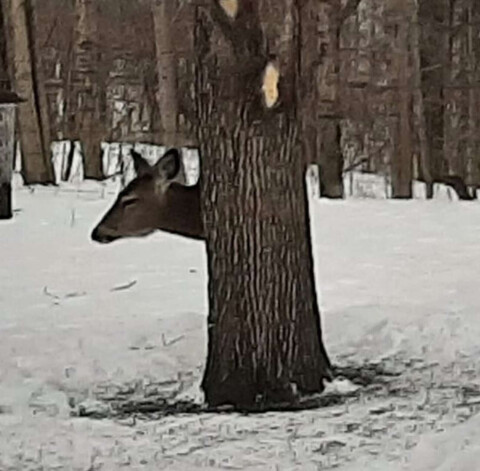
98 236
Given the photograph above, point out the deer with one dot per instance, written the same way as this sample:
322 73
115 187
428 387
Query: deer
156 199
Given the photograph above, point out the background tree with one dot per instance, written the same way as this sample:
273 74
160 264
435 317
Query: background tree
7 125
85 109
8 100
424 155
356 113
402 164
163 13
265 340
19 20
322 22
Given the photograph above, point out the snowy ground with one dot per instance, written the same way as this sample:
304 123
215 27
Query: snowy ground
81 323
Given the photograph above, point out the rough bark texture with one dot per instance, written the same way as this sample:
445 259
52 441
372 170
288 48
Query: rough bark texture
36 164
264 332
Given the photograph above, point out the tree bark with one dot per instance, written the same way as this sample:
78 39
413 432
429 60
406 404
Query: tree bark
163 12
454 113
433 50
425 151
330 158
38 76
473 16
36 163
6 161
321 23
84 107
402 162
265 341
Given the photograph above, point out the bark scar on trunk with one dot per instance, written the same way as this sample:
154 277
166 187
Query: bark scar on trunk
230 7
271 76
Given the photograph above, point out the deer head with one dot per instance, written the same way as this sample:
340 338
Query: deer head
157 199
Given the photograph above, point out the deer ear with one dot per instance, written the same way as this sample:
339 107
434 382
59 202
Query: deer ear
169 165
142 167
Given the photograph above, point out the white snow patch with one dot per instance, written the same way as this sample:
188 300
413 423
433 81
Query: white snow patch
398 285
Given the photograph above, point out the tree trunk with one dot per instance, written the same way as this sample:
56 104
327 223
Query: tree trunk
433 49
38 77
320 36
402 162
5 73
36 164
330 158
425 151
6 161
453 110
85 108
265 342
473 17
163 12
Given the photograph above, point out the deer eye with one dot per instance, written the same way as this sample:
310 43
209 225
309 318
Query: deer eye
129 201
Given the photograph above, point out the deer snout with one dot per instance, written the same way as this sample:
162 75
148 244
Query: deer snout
98 235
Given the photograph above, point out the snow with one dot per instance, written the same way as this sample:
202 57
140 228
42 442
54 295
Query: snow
81 322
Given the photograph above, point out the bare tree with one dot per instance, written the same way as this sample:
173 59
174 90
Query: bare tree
163 12
425 157
265 342
473 48
6 157
402 165
322 22
85 105
7 146
36 165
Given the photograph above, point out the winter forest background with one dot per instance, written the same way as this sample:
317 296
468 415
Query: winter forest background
397 85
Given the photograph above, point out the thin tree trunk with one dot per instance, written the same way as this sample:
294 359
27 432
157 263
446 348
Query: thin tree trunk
38 77
320 37
163 12
330 158
472 127
402 162
453 109
5 71
425 151
6 161
265 342
85 97
36 164
433 49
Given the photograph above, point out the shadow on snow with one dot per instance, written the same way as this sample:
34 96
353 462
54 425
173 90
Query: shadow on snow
162 399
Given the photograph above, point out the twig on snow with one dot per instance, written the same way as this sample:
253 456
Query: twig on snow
124 287
169 343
